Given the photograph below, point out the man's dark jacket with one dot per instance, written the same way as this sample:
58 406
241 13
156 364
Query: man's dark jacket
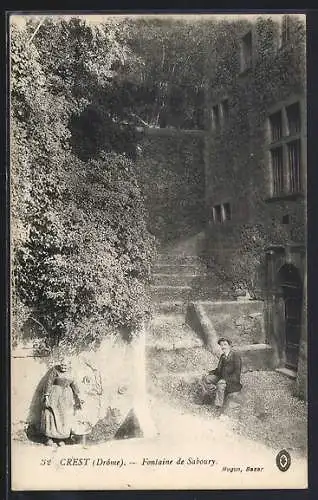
229 369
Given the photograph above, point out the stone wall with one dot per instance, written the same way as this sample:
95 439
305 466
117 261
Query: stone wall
171 172
237 159
241 322
237 153
113 363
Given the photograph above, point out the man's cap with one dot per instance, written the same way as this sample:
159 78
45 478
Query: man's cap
223 339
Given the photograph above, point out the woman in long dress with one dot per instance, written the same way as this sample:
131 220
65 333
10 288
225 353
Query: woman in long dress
60 402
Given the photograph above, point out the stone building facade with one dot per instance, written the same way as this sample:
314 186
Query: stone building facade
234 192
255 173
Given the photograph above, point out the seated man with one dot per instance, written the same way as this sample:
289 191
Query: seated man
226 377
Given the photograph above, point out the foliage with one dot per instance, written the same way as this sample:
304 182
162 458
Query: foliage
81 248
170 70
172 172
82 62
244 268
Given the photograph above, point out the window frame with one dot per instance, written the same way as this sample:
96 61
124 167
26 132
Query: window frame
219 118
226 212
283 142
220 214
217 214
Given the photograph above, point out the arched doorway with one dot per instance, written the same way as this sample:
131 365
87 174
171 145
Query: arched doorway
290 283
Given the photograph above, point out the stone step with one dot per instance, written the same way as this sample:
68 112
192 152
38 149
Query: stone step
209 294
180 269
187 293
169 331
287 372
175 306
164 292
183 279
179 259
168 317
178 341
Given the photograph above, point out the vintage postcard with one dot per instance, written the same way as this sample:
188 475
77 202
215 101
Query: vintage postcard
158 251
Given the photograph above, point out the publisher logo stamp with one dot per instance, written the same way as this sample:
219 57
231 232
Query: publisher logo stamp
283 460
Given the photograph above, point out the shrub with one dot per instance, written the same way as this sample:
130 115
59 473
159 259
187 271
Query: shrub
81 249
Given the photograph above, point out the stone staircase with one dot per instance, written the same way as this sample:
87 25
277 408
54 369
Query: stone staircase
184 278
177 354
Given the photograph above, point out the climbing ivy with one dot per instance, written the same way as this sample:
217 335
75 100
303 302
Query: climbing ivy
238 149
81 249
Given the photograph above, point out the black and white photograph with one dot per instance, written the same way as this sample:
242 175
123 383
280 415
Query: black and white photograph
158 282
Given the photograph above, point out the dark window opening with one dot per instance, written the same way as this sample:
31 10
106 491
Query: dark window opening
225 110
227 211
276 126
218 213
294 166
216 116
293 118
285 219
277 170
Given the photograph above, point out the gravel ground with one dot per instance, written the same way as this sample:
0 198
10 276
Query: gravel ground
267 413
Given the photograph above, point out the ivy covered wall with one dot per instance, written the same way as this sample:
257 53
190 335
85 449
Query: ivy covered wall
171 169
237 153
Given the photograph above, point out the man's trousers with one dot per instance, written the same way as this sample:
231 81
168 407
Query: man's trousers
214 386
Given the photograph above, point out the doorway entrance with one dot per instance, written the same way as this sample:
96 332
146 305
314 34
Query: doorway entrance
291 286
